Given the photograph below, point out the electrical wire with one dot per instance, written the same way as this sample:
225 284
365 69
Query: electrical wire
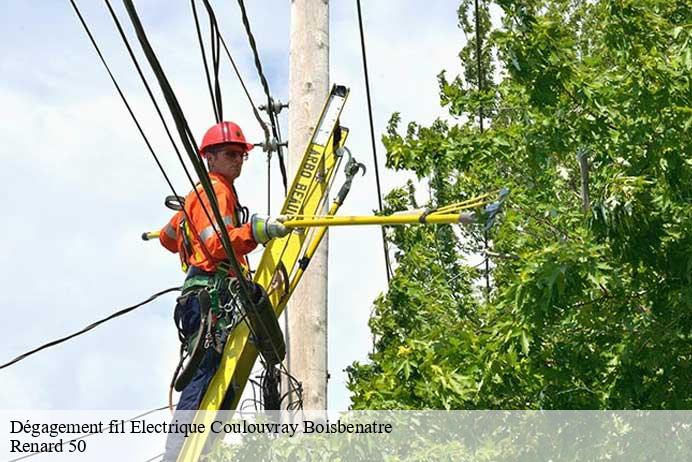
192 150
388 264
87 328
265 86
187 139
214 93
255 111
216 38
118 25
156 457
181 123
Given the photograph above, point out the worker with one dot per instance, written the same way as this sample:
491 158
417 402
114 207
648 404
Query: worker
195 238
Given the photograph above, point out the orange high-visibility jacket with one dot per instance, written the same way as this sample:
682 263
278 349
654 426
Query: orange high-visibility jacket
206 257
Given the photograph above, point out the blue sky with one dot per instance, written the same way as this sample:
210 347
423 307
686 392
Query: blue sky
79 186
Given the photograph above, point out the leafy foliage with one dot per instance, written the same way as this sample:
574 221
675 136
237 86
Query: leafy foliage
590 300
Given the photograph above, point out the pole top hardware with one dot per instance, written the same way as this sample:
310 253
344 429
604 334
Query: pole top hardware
271 145
275 107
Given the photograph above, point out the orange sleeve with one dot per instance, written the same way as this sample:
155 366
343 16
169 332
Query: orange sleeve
168 236
241 236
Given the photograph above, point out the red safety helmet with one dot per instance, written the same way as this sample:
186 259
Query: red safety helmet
224 133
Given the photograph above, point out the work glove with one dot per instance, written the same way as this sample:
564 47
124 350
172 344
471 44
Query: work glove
264 229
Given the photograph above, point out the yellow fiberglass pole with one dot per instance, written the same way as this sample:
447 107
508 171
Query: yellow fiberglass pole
389 220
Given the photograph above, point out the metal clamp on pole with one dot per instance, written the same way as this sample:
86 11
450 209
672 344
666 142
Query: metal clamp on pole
276 106
271 145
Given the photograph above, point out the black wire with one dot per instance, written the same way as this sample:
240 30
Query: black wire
295 387
255 111
215 102
215 59
265 86
187 139
217 39
197 163
119 27
192 150
191 147
152 459
88 328
184 132
120 92
215 55
253 45
158 110
372 140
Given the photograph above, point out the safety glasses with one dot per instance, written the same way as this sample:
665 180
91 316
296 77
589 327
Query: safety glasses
233 154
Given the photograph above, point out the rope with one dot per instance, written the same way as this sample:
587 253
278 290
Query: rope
87 328
388 263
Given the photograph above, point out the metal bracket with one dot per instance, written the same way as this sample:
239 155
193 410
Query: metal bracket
271 145
276 106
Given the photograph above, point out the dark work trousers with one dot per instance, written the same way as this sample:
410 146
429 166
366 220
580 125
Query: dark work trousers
192 394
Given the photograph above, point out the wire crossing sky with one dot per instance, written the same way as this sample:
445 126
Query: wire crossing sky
83 186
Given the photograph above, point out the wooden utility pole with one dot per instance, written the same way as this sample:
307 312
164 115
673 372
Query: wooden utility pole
308 90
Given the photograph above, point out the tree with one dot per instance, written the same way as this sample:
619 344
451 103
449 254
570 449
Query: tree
590 304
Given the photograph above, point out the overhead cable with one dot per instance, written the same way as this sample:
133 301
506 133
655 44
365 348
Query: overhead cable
88 328
219 35
216 38
265 85
129 108
187 139
214 92
193 152
181 123
261 121
372 140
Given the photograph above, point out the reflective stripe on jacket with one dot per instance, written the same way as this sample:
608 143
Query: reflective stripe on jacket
171 235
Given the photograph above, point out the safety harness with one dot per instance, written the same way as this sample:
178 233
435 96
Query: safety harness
221 308
217 297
